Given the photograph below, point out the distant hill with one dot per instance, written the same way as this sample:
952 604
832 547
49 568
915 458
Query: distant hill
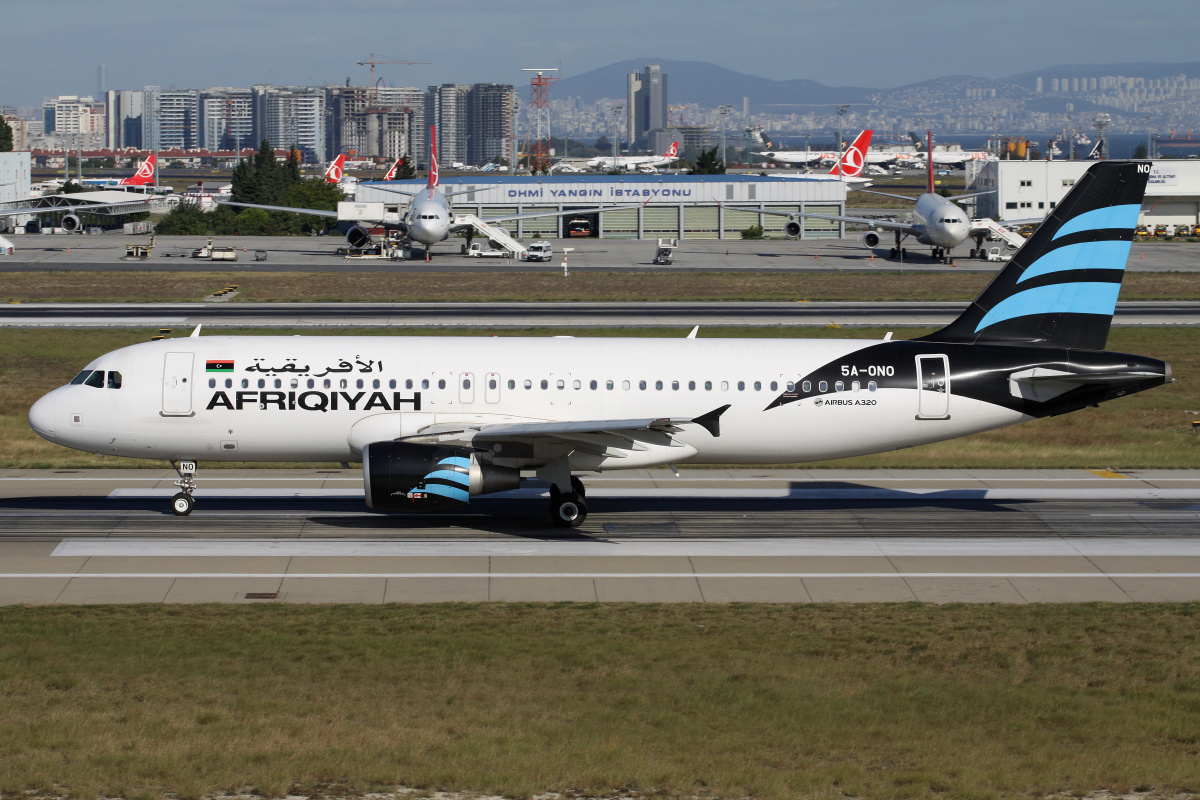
708 85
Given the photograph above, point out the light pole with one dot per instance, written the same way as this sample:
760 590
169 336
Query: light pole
616 114
723 111
841 113
1149 132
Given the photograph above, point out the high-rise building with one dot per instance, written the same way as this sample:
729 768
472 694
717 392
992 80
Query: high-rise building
226 118
646 103
490 111
172 119
446 107
125 113
291 116
385 122
74 121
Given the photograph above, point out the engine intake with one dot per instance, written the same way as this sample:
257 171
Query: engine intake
70 223
871 239
792 229
401 476
358 236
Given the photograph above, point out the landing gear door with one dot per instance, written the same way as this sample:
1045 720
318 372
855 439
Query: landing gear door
933 387
177 385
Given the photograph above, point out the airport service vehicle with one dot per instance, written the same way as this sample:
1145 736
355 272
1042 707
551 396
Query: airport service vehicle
485 250
539 251
437 420
937 221
579 226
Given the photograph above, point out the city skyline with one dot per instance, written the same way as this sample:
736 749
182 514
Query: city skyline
304 43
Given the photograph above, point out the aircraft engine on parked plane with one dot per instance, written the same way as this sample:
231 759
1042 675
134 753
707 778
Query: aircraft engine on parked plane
70 223
402 476
871 239
792 229
358 236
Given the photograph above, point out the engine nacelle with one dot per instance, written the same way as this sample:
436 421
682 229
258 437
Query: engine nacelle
871 239
358 236
70 223
792 229
401 476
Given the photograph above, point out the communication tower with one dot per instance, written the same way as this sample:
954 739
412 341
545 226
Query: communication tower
539 117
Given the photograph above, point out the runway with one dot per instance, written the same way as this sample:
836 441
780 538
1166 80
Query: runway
522 315
704 536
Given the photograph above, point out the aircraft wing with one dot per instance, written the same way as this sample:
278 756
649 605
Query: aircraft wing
889 225
314 211
600 436
395 190
533 214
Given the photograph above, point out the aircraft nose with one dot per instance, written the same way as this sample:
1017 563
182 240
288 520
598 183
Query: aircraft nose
41 417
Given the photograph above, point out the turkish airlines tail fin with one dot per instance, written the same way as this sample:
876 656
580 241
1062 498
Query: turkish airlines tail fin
1060 289
672 151
855 158
391 173
433 165
144 174
334 173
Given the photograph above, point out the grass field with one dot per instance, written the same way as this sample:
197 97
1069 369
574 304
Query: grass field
899 701
144 287
1147 430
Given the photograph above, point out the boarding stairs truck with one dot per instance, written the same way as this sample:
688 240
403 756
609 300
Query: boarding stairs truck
497 237
986 228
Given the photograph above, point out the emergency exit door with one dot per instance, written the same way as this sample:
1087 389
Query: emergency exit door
933 387
177 385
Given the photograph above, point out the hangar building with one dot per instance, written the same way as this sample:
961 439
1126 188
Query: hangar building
680 206
1030 189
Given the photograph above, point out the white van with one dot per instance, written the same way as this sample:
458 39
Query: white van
539 251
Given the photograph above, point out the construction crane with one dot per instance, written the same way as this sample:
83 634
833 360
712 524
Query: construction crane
372 62
680 109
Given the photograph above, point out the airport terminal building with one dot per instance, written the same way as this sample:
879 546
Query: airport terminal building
666 206
1031 189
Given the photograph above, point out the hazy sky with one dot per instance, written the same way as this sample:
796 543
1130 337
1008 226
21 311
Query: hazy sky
52 47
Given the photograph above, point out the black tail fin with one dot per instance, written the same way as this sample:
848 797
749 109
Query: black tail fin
1060 289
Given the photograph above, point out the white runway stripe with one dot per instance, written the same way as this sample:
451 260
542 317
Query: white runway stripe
443 575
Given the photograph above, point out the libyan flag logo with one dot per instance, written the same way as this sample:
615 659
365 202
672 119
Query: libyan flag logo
219 366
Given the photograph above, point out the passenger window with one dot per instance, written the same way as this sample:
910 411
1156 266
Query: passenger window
229 383
441 383
212 383
774 386
708 386
310 383
114 380
625 385
791 386
561 384
855 386
424 383
81 377
658 385
593 384
96 379
758 386
675 386
576 385
608 385
358 383
278 383
493 383
262 383
328 383
295 383
839 386
691 386
466 383
545 383
246 383
392 383
724 386
806 387
823 386
528 383
872 386
642 385
408 384
512 384
374 384
741 386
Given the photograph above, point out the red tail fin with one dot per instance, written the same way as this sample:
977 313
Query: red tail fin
929 158
144 174
433 165
855 158
334 173
391 173
672 151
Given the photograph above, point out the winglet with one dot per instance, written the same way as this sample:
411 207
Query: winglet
196 333
695 330
711 421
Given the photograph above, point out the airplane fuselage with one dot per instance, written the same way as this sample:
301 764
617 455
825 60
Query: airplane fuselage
939 222
429 217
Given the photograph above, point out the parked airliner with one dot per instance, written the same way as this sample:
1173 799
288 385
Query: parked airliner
848 169
437 420
637 162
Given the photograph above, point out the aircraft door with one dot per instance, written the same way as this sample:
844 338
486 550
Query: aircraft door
491 387
933 387
466 387
177 385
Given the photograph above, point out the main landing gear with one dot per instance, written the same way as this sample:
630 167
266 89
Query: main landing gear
568 509
183 503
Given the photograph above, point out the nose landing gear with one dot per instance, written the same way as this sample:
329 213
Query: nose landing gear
183 502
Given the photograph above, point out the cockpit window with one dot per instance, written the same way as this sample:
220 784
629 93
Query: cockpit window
81 377
114 379
95 379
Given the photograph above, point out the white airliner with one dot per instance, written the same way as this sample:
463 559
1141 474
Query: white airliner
637 162
937 221
429 218
848 168
437 420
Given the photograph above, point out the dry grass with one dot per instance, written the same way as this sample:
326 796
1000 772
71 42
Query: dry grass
139 287
1145 431
892 701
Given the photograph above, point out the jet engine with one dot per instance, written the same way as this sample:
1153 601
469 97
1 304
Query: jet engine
871 239
792 229
358 236
70 223
401 476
